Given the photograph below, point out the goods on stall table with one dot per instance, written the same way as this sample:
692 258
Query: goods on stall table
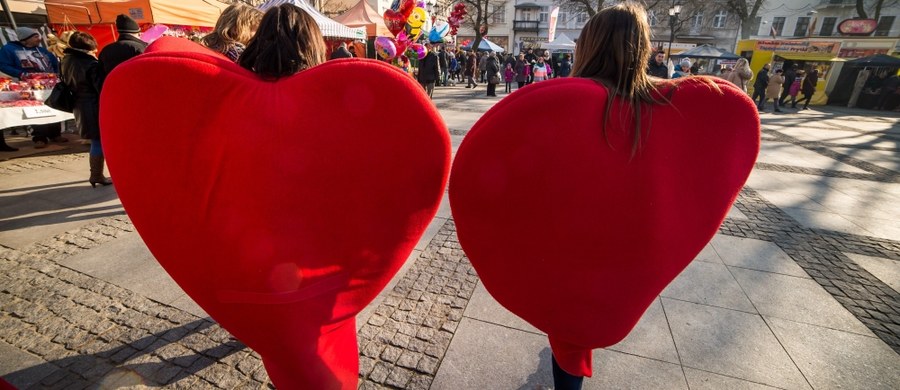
29 91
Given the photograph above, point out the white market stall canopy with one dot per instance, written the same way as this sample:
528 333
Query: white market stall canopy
330 28
562 42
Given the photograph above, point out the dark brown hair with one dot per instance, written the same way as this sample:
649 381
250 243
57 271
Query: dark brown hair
288 41
82 41
614 49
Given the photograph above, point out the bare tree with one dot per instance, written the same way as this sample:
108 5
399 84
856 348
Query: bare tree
480 15
591 7
876 9
746 11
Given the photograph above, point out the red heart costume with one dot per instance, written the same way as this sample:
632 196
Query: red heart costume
282 208
571 232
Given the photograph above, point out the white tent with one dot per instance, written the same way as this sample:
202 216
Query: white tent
330 28
562 42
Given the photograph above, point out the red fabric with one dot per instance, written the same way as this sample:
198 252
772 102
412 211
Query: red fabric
569 231
282 208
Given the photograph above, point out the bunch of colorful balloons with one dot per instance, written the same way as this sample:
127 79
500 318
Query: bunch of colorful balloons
407 20
456 17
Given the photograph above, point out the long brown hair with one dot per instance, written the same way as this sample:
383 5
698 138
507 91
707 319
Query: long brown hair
614 49
288 40
237 23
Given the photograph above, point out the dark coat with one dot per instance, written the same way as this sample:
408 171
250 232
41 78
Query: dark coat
789 76
471 65
81 72
658 70
762 80
521 74
809 83
126 48
492 68
429 68
565 67
443 60
341 52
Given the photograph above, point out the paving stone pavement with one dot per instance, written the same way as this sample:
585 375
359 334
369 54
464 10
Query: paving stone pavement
83 332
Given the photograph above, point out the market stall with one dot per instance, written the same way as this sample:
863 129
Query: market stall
860 83
330 28
562 43
485 45
98 17
22 102
708 58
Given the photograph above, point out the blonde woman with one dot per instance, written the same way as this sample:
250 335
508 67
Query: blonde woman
235 27
741 74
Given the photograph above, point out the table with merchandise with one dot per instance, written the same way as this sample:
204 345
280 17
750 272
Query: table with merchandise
22 102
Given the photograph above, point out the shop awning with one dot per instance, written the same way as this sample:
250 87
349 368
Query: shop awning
362 15
203 13
810 57
330 28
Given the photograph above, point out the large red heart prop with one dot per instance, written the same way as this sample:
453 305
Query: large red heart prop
282 208
573 233
396 20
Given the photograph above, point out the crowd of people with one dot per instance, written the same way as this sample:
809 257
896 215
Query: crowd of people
445 66
781 85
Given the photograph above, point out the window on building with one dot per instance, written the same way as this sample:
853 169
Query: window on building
527 14
582 17
563 18
697 20
498 14
884 26
838 2
802 27
827 29
543 15
756 23
778 26
720 19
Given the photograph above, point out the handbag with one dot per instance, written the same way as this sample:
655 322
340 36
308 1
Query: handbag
61 98
495 79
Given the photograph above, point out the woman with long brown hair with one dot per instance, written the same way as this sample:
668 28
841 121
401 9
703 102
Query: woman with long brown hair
288 41
233 30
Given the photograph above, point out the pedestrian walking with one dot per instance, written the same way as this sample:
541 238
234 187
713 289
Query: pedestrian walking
759 87
128 46
565 66
509 75
492 69
790 74
521 69
808 87
773 90
471 70
482 63
429 70
741 74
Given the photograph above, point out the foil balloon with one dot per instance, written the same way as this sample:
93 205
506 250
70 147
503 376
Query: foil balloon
402 42
438 32
396 19
415 23
153 33
385 48
419 49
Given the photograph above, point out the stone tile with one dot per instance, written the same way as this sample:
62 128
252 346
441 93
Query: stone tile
730 343
433 228
33 219
128 263
460 120
883 158
797 299
651 337
832 359
22 369
41 179
709 255
484 355
886 270
483 307
823 220
787 199
702 380
755 254
709 284
784 153
615 370
187 304
367 312
888 229
736 214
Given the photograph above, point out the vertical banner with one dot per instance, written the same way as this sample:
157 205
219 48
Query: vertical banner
554 16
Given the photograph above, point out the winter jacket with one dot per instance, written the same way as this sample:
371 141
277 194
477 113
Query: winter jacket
471 65
658 70
808 87
773 90
492 69
762 80
126 48
429 68
16 59
740 77
565 68
521 69
81 72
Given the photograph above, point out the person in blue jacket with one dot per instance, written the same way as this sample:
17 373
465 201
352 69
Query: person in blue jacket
17 59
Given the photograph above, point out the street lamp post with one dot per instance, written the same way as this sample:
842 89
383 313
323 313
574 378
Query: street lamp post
674 10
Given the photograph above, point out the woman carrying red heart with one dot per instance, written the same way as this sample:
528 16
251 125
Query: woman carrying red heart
577 226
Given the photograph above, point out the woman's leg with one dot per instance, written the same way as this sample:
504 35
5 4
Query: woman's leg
96 162
562 380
